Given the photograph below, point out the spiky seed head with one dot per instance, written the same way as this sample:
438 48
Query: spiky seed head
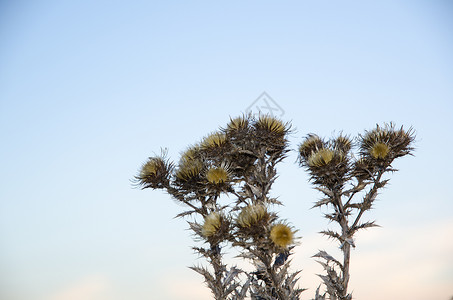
379 150
191 153
311 144
282 235
217 175
386 143
188 169
343 143
252 215
154 172
212 223
321 158
271 124
150 168
214 140
238 124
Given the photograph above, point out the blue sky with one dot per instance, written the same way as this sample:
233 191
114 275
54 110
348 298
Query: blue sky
90 89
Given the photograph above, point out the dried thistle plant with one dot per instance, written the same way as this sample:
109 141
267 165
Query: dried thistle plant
238 160
341 177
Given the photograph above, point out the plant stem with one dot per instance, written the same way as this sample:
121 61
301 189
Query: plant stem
216 262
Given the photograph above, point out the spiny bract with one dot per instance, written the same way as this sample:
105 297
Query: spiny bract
271 124
189 168
237 124
214 140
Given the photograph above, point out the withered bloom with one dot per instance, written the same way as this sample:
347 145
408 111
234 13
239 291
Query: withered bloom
271 124
253 222
214 140
189 169
253 215
282 235
384 144
237 124
271 133
341 177
154 173
327 163
215 228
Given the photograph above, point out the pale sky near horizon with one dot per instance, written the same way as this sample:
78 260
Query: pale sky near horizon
90 89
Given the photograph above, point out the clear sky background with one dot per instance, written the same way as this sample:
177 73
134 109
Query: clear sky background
90 89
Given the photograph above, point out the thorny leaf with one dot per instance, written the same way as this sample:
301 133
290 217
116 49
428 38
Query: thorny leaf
243 293
231 275
323 254
319 296
186 213
364 226
332 234
382 183
322 202
326 191
203 271
256 191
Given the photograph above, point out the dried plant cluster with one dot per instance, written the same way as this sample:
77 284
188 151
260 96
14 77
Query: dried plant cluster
341 177
240 161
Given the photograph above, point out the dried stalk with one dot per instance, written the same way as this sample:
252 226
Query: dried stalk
332 168
238 160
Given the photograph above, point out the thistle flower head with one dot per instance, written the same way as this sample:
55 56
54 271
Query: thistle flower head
191 153
252 215
379 150
214 140
271 124
217 175
321 158
188 169
343 143
154 173
327 162
150 168
238 124
311 144
386 143
282 235
212 223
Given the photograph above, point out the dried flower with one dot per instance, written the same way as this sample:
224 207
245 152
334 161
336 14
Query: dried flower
217 175
386 143
326 161
191 153
271 125
150 168
379 150
281 235
252 215
214 140
154 173
238 124
188 169
343 143
311 144
211 224
321 158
